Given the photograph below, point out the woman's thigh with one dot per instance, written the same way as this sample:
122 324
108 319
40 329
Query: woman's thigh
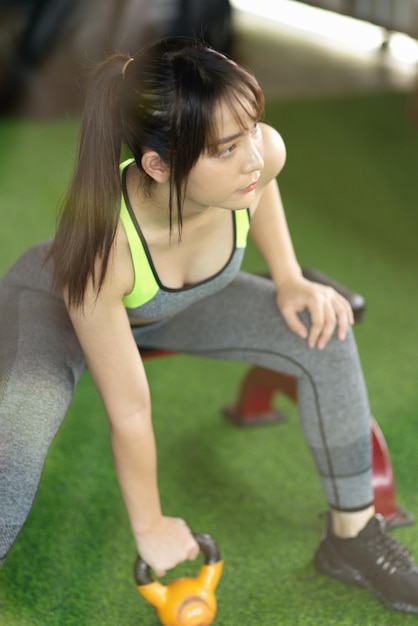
242 323
40 363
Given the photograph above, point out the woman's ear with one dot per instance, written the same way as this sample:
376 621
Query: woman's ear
153 165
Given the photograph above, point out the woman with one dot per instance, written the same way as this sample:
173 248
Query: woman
148 255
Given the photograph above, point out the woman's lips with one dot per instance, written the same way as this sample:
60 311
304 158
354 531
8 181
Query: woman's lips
249 188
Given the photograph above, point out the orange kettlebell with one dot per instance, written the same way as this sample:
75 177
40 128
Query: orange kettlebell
185 601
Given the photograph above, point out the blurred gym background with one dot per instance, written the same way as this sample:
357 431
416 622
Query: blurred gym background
46 46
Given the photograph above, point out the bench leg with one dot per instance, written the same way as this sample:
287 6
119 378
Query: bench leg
254 407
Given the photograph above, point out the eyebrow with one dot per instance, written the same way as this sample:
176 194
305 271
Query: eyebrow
229 138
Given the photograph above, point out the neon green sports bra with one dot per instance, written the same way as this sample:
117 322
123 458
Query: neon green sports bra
149 299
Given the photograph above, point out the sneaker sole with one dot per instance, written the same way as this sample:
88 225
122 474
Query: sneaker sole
353 577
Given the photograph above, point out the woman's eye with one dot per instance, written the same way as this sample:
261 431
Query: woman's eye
226 152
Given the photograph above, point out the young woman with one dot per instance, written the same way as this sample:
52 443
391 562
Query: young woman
147 254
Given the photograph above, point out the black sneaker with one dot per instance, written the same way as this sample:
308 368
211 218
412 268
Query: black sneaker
373 559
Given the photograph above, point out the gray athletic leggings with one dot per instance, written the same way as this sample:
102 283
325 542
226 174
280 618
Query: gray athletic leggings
41 362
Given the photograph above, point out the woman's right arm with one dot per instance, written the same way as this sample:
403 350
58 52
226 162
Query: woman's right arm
104 332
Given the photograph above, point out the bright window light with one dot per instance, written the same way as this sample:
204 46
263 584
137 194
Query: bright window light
404 48
341 29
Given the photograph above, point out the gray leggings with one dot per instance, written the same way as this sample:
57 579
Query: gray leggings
41 362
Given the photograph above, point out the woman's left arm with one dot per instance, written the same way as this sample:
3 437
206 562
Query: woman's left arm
328 310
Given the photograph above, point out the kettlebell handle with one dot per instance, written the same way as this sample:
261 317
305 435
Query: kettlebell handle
206 544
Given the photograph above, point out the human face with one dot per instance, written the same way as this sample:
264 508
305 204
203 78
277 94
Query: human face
227 176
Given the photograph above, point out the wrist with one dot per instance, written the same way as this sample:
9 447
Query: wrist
144 526
147 515
286 275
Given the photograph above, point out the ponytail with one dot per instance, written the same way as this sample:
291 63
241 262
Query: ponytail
90 212
164 102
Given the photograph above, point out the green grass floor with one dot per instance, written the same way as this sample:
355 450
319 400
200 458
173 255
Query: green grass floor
350 189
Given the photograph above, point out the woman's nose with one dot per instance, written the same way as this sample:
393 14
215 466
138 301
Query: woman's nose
253 159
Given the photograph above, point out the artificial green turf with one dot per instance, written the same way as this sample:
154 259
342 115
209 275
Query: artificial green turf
350 190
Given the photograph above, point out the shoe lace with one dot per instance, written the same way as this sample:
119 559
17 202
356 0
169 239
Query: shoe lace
391 555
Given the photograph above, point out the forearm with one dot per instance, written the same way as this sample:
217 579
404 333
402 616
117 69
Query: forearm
270 234
135 461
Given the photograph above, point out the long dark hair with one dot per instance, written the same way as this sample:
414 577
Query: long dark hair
163 100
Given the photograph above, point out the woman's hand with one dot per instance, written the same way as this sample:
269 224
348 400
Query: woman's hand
166 544
327 308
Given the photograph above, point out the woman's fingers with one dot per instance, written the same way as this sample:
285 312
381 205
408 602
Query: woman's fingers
322 322
334 313
328 310
294 322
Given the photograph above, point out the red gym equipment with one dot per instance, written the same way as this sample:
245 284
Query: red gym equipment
255 406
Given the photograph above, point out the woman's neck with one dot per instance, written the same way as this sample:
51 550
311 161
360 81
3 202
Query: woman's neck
153 207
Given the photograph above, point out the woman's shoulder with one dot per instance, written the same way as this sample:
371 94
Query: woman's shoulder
274 152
